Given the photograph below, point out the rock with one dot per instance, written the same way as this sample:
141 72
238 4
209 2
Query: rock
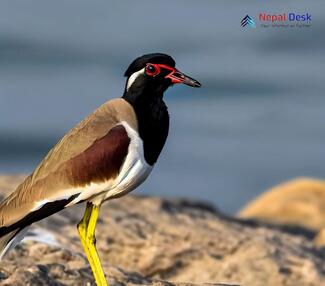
300 202
64 268
147 241
320 238
297 202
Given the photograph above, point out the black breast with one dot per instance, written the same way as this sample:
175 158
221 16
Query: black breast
153 121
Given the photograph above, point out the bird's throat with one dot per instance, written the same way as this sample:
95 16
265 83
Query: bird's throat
153 123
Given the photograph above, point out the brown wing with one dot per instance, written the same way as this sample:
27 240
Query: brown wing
78 139
100 161
92 151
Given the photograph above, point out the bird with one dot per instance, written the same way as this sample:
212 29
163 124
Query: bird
107 155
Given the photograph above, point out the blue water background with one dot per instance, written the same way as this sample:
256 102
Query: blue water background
258 120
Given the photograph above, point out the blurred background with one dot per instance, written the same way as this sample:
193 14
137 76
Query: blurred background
258 120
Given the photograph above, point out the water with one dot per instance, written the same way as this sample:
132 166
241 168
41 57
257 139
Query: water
258 120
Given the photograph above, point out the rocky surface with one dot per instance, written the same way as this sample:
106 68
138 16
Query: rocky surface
300 202
146 241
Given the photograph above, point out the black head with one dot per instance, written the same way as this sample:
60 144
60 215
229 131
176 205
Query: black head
151 74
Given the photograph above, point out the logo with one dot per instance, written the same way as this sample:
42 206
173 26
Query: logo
282 20
264 17
248 21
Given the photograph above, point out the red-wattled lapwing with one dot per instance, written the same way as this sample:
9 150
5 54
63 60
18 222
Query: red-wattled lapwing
105 156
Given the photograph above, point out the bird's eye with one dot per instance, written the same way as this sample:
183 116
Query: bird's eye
152 70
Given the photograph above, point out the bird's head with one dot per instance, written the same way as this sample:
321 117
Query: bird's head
152 74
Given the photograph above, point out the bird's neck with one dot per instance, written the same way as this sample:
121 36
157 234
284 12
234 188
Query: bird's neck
153 122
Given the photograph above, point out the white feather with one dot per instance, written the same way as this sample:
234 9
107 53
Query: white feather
135 168
13 242
133 77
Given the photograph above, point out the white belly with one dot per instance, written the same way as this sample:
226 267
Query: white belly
133 172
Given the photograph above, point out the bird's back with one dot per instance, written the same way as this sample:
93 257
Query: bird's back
55 174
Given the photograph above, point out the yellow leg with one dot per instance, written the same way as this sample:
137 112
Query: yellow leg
86 229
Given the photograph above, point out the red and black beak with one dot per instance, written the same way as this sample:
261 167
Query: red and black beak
176 76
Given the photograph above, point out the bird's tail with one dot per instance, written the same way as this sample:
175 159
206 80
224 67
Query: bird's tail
18 212
10 240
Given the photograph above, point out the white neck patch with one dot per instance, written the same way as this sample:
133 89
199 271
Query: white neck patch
133 77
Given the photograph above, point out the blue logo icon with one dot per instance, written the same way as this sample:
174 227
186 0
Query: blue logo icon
248 21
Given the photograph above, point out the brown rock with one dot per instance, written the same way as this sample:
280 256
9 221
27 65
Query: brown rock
320 238
300 202
178 241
